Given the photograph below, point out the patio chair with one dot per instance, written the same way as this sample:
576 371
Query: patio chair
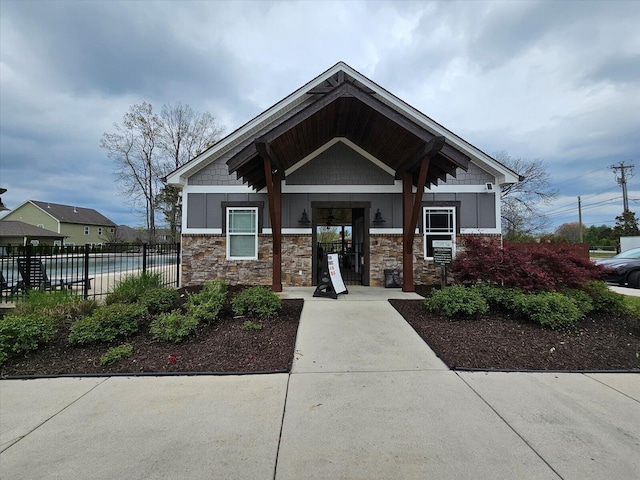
34 275
5 285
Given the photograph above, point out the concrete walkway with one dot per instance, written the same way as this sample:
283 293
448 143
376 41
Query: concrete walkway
366 399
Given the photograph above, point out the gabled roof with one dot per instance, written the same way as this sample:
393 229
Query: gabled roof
71 214
341 102
13 228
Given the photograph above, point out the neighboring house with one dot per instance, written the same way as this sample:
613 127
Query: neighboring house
79 225
20 233
126 234
340 153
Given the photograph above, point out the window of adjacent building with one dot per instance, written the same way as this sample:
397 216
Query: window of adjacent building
99 230
41 225
86 230
439 224
57 243
242 233
111 230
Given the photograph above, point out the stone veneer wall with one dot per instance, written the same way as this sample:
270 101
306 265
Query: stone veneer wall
386 252
204 258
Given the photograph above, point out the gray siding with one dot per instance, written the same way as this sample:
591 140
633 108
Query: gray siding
340 165
216 173
474 176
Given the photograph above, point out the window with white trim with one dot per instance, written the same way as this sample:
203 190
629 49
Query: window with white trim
439 223
242 233
99 230
86 230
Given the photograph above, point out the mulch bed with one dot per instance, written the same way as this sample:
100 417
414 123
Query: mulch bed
221 347
500 342
494 341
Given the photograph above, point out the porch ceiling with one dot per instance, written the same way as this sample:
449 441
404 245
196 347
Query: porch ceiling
346 110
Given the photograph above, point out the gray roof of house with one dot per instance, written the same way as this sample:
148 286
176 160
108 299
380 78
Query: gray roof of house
71 214
11 228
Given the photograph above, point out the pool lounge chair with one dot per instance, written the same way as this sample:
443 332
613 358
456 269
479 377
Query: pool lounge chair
34 275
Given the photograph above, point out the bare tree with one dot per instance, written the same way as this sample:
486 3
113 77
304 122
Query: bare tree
570 231
134 149
185 134
145 147
521 216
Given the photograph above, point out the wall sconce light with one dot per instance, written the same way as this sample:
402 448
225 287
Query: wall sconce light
304 219
377 220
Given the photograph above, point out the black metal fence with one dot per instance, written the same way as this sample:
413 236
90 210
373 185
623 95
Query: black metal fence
91 271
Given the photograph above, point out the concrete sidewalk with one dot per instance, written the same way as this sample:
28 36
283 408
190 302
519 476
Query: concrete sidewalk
366 399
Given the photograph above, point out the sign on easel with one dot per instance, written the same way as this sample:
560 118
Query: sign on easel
334 273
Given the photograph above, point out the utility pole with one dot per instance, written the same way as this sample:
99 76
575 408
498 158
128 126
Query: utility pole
622 180
580 218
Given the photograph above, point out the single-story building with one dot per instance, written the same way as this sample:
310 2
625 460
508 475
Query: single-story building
340 165
20 234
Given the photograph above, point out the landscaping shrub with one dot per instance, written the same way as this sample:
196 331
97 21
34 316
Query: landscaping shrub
159 300
20 333
549 309
206 304
457 301
603 298
498 298
58 305
173 326
257 301
107 323
130 289
581 299
251 326
527 266
115 354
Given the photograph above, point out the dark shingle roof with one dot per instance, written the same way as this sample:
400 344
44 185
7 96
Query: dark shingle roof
11 228
70 214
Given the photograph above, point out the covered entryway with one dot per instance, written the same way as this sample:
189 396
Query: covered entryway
342 228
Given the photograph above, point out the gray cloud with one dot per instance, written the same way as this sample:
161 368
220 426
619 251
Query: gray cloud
539 79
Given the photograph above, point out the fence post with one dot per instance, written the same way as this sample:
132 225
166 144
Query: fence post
86 271
144 258
29 252
177 265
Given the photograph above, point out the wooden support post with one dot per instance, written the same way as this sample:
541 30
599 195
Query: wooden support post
407 236
274 194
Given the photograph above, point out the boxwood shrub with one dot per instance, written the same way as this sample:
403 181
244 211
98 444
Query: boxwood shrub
256 301
549 309
173 326
457 301
159 300
20 333
206 304
107 323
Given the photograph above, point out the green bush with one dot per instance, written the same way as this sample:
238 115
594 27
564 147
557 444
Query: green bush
107 323
58 305
251 326
115 354
548 309
173 326
20 333
159 300
498 298
457 301
581 299
206 304
130 289
604 299
256 301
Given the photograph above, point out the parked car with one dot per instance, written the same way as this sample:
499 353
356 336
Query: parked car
623 269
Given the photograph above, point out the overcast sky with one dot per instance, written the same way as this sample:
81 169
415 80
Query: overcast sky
551 80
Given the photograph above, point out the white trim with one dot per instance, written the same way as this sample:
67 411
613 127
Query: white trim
452 234
476 188
294 231
255 211
349 144
386 231
480 231
202 231
217 189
